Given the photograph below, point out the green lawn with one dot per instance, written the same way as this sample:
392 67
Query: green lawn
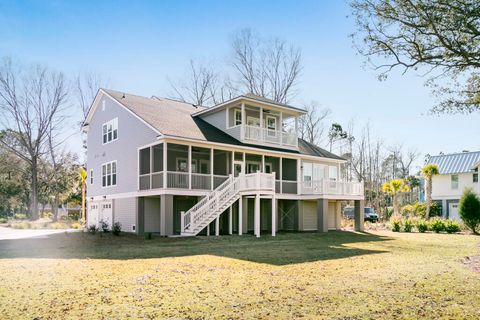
339 275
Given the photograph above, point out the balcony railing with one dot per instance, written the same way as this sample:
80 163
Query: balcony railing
264 135
330 187
199 181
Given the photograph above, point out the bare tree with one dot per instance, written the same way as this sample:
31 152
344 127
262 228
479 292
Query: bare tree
86 87
198 85
311 125
32 102
268 68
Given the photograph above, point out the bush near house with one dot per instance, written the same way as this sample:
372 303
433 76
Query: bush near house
396 225
20 216
116 228
419 210
408 225
422 226
436 225
469 210
452 226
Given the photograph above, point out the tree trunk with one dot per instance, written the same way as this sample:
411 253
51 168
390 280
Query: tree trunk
429 197
55 209
83 202
34 185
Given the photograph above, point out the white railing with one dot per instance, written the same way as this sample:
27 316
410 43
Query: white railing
178 180
201 181
209 206
150 181
260 134
332 187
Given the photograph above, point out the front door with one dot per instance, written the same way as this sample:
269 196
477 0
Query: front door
453 212
238 167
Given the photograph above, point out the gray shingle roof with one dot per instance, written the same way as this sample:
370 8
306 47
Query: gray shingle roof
456 162
174 118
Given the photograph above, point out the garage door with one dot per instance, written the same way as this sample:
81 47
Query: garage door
92 213
106 212
453 211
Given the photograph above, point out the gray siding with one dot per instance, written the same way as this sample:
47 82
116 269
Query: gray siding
125 211
219 120
132 133
152 214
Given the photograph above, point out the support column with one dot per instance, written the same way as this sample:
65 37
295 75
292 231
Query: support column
322 215
211 170
359 214
257 216
240 214
140 219
217 226
274 216
165 150
166 215
245 214
189 167
230 220
208 229
281 175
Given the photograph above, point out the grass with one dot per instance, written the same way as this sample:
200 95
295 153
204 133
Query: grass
339 275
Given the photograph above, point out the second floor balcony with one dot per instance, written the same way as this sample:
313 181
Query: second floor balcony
264 126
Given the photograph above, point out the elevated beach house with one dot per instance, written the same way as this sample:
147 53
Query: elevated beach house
168 167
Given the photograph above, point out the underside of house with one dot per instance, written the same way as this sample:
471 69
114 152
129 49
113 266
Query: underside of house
234 168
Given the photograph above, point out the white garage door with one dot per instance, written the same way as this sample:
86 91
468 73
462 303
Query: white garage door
453 211
106 213
92 214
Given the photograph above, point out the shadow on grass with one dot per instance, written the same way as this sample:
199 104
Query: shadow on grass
286 248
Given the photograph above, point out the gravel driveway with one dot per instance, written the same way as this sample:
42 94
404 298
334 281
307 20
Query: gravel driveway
10 233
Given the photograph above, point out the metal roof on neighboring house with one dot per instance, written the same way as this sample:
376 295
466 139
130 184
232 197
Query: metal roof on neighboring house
456 162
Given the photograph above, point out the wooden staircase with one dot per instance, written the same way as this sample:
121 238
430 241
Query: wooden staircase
216 202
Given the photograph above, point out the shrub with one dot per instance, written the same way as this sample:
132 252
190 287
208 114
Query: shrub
396 225
92 229
148 236
104 225
57 225
437 225
21 225
422 226
76 225
19 216
452 226
408 225
3 220
116 228
469 209
47 215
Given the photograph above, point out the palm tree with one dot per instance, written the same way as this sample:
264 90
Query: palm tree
428 172
394 188
82 175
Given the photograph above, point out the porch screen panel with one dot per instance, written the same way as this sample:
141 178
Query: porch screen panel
145 161
158 158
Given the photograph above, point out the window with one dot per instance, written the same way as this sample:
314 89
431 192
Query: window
271 123
238 117
91 176
475 177
307 174
454 181
182 165
109 174
110 131
333 173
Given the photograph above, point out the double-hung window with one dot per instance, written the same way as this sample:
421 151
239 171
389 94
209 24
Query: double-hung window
454 181
109 174
110 131
91 176
238 117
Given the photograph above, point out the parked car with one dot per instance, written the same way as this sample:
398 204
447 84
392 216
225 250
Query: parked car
368 212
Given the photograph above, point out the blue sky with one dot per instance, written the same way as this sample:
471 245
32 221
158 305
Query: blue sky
137 44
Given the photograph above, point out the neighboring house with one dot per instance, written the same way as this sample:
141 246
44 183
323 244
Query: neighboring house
169 167
457 172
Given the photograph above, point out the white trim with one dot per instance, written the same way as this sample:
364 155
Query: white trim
94 107
111 174
230 147
293 110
